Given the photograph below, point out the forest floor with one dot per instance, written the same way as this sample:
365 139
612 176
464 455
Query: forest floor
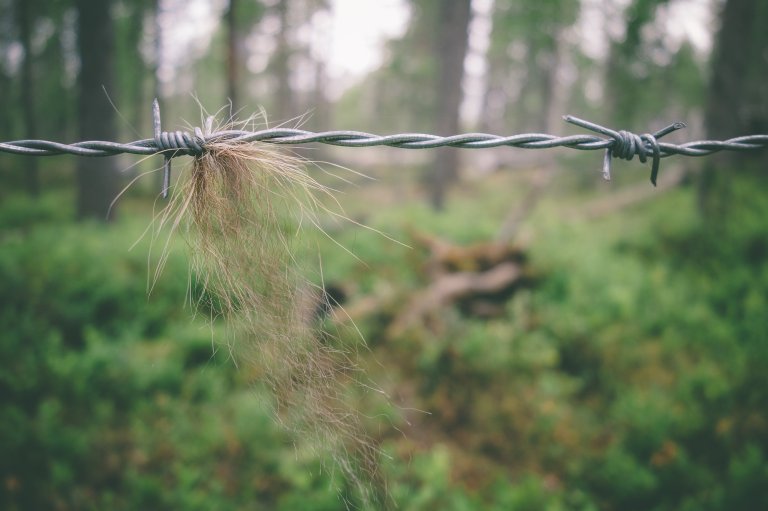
616 366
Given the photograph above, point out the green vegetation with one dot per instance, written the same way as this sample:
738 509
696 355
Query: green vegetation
622 369
630 376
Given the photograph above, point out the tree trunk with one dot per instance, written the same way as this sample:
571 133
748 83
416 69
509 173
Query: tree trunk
233 57
97 178
321 109
552 91
451 48
137 86
737 105
157 44
24 16
281 64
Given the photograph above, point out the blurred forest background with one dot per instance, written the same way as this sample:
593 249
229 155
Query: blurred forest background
599 345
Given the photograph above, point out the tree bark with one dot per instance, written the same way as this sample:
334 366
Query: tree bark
737 105
97 178
450 50
24 16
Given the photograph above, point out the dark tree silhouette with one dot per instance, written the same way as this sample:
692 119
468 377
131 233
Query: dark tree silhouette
233 55
737 105
24 17
97 178
450 50
281 64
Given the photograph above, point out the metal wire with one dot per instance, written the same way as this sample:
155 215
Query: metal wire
361 139
617 144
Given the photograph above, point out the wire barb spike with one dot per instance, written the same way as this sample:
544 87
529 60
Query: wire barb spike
626 145
158 132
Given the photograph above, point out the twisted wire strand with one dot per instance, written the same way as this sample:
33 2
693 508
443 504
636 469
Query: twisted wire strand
361 139
616 144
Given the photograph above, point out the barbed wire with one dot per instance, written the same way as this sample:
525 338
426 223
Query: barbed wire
617 144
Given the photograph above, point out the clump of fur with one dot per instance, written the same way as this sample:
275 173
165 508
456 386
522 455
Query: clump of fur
236 207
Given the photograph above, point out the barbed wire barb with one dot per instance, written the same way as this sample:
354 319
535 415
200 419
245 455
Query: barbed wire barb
616 144
626 144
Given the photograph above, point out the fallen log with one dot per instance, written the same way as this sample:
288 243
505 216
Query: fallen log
477 279
452 287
